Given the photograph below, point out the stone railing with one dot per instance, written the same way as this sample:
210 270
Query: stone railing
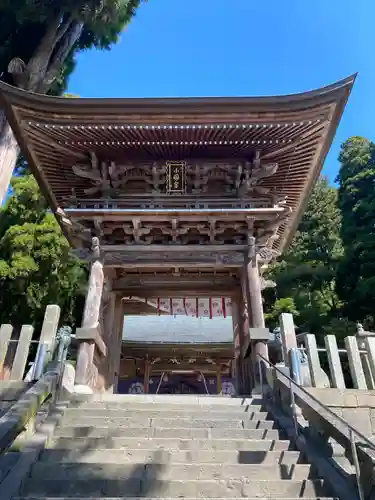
321 435
24 411
15 352
350 367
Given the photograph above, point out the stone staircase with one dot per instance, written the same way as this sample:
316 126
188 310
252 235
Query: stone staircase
169 447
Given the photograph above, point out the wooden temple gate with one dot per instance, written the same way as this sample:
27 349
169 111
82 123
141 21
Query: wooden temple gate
176 368
175 198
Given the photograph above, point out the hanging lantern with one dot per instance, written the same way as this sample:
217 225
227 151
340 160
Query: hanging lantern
165 378
199 378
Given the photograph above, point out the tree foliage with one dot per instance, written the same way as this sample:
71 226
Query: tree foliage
328 273
356 200
36 266
308 268
306 275
38 44
53 32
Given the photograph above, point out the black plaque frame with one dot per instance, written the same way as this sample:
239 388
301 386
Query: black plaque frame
176 177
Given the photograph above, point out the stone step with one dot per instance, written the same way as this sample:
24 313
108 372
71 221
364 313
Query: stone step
187 400
7 462
150 498
125 488
122 456
170 444
166 432
170 423
160 471
254 413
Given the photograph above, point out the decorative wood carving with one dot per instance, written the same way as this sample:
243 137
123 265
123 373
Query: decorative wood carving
266 254
175 232
109 178
186 231
253 173
95 248
267 234
174 258
264 283
137 231
226 177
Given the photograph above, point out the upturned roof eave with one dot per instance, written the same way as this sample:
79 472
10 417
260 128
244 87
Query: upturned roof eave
17 102
107 106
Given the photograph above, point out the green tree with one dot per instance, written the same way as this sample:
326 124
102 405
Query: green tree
284 305
307 271
36 265
356 200
38 42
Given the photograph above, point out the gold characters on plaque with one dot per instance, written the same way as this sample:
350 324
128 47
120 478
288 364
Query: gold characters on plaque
176 177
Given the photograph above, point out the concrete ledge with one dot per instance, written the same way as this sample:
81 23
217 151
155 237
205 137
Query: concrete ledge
355 406
322 419
349 398
16 418
340 485
33 446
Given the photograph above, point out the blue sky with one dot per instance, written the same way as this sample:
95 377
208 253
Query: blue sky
241 47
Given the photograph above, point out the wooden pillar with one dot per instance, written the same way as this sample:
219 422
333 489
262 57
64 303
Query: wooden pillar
255 308
116 345
146 381
113 326
89 332
218 380
247 375
237 336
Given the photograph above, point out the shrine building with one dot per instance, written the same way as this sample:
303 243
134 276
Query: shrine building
179 205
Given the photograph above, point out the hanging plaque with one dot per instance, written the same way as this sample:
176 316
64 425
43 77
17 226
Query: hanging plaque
176 177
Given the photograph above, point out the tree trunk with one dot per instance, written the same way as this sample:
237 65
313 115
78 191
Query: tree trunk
9 151
37 76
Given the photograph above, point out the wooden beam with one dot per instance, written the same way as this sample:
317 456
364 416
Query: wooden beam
171 281
157 215
173 248
151 264
170 367
178 292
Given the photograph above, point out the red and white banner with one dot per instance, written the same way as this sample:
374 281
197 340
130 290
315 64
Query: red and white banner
189 306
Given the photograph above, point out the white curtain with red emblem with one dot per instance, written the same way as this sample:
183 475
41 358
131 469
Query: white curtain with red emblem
190 306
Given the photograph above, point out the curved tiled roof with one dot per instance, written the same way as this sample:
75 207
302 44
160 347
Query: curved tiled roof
177 329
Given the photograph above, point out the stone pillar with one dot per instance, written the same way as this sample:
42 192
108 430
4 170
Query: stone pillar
287 335
89 332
